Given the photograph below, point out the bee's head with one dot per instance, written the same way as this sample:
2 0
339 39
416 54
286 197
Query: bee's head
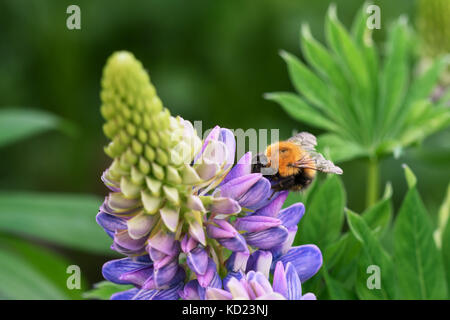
281 155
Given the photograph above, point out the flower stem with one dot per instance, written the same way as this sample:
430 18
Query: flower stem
372 182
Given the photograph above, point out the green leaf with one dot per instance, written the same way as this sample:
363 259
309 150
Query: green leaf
373 254
21 123
354 66
300 110
20 280
46 262
345 48
339 255
324 215
65 219
336 290
436 119
394 75
410 176
423 85
104 290
307 83
443 218
446 252
322 61
419 266
338 149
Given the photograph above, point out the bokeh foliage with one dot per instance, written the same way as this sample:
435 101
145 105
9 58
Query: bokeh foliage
210 60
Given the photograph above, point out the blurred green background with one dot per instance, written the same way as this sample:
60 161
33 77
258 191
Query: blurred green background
209 60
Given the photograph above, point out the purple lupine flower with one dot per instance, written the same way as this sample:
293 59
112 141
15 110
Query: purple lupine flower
255 286
134 232
177 206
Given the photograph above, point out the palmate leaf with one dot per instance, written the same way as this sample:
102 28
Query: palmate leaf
394 75
65 219
423 85
307 83
338 149
418 263
373 254
376 103
353 65
300 110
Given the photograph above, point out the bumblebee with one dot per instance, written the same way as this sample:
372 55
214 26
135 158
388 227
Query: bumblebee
292 164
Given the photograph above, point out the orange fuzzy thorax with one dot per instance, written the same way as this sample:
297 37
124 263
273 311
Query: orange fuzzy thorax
282 155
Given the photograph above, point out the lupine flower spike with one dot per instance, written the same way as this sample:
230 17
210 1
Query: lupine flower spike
177 207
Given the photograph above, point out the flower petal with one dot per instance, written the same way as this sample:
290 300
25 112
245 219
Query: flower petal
110 223
140 225
197 260
271 296
188 243
272 205
279 280
226 136
242 168
306 259
125 295
123 239
309 296
290 217
256 195
165 277
220 229
211 271
191 291
281 249
117 202
268 238
213 135
235 244
112 270
237 289
236 188
256 223
260 261
294 286
218 294
162 241
137 277
195 203
224 205
232 274
170 217
196 231
237 261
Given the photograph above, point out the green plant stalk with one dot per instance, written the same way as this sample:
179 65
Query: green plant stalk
373 181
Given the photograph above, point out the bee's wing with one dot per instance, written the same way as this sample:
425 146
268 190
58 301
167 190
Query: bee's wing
323 164
308 142
305 140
